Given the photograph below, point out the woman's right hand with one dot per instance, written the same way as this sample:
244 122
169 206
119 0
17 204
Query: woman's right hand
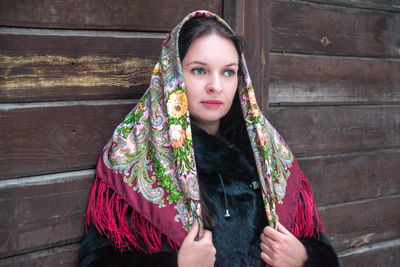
197 253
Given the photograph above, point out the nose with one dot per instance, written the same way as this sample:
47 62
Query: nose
214 84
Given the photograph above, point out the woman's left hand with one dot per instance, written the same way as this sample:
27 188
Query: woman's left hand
281 248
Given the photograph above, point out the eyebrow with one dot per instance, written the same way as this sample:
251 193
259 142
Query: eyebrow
204 64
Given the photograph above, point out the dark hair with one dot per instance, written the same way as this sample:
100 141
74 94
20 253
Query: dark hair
200 26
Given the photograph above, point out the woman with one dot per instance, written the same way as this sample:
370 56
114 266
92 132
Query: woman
204 189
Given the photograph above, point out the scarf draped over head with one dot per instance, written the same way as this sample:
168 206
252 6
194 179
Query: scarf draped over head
149 164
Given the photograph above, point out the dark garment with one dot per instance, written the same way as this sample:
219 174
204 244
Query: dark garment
226 169
97 250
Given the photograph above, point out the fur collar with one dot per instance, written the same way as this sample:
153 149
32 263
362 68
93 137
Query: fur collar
229 147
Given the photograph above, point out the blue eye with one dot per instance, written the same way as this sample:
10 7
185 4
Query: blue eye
229 73
198 71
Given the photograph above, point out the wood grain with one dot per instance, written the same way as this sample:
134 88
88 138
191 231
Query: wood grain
337 129
55 137
58 256
388 5
54 68
300 27
143 15
349 177
385 254
299 79
43 211
365 222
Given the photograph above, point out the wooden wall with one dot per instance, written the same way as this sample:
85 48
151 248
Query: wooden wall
334 94
71 70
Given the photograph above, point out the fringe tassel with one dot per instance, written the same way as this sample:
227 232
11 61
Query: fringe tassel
108 212
307 221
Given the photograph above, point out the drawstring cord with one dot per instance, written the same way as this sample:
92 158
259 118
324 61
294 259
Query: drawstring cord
226 215
253 185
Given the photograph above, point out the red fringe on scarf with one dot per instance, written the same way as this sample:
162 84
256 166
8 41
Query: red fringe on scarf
307 221
107 211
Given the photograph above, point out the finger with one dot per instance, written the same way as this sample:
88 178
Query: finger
272 233
268 242
266 258
282 229
265 248
194 231
207 235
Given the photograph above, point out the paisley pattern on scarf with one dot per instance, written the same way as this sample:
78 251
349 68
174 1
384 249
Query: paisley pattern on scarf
274 156
152 148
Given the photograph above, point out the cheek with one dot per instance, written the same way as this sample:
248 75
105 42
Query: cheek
190 98
192 93
188 87
232 88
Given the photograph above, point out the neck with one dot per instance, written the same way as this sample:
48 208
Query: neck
209 127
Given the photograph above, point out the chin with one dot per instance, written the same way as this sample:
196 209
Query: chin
208 116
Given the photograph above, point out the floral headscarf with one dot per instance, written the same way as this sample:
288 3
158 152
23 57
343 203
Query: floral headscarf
149 162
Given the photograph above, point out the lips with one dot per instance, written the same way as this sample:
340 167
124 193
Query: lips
212 103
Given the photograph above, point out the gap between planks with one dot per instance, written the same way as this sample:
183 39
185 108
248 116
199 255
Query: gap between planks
299 54
74 246
369 152
10 106
323 208
376 246
347 5
45 178
333 104
82 33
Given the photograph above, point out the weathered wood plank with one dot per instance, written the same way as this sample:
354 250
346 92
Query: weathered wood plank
388 5
56 137
384 254
43 211
333 30
355 224
144 15
337 129
17 42
320 79
349 177
46 67
58 256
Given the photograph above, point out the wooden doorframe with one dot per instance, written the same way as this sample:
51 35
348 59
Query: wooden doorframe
252 20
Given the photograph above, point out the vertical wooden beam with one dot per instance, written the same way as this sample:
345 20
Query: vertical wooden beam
251 19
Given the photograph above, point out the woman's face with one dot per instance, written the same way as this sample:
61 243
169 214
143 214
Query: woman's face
210 71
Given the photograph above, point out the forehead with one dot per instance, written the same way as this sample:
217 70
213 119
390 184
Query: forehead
212 48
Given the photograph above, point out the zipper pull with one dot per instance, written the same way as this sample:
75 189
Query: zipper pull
254 185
